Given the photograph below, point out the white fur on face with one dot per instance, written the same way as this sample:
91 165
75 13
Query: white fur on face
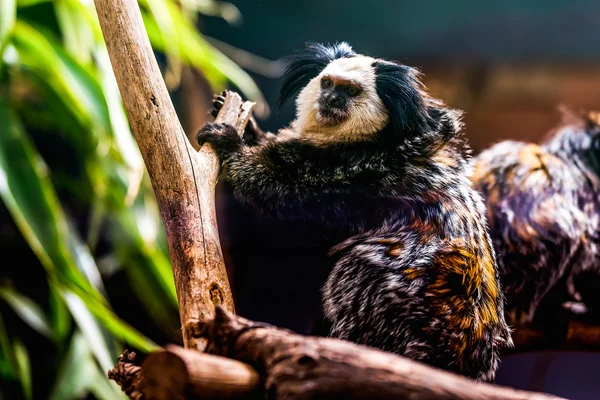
367 114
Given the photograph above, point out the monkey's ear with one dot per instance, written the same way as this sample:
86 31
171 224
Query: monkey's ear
403 94
308 63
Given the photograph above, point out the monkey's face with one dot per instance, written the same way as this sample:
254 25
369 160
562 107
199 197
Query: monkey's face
342 100
337 95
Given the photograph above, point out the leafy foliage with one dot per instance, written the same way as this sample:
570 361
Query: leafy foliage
74 185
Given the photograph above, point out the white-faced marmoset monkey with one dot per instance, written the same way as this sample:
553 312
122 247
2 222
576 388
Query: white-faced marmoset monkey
543 211
375 162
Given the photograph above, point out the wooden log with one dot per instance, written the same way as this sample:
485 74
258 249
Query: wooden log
183 180
294 367
180 374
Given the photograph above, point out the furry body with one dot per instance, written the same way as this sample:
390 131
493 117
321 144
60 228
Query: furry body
381 169
543 209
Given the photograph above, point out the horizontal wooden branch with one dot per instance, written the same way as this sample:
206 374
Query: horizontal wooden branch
251 359
179 374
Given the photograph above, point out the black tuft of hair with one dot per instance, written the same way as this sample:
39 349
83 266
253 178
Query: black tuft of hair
401 91
308 63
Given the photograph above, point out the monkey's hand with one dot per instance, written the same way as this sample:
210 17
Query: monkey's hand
253 135
223 138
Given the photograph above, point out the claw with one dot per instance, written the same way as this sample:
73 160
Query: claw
218 101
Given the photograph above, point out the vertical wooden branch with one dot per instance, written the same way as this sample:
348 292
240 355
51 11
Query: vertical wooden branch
183 179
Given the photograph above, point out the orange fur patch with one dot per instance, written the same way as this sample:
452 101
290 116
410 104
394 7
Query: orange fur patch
476 307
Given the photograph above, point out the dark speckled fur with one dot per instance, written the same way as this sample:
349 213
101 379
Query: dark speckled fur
413 271
543 209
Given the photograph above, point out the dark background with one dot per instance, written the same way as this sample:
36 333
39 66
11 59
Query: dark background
506 64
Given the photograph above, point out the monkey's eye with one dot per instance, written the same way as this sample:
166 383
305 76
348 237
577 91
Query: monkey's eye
326 83
352 91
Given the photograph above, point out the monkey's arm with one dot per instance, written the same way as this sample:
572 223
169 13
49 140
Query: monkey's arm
294 179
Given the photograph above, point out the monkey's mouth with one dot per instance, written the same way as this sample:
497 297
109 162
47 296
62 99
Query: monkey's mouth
332 115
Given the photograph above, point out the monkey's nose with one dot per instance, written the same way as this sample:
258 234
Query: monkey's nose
335 100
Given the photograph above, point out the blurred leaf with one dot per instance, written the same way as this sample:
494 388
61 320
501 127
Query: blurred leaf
8 13
228 11
29 312
84 260
23 367
140 225
90 330
61 317
135 235
124 140
116 326
103 389
196 51
149 292
27 3
48 111
28 194
7 356
166 25
64 74
76 370
79 375
77 29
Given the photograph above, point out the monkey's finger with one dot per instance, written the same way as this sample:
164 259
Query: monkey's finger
219 96
217 103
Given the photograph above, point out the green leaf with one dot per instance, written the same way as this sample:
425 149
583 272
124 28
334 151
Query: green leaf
138 228
25 308
228 11
73 82
91 330
197 52
8 13
28 3
114 324
104 389
84 260
123 138
23 367
76 370
27 191
79 375
163 18
7 355
143 283
60 315
77 31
